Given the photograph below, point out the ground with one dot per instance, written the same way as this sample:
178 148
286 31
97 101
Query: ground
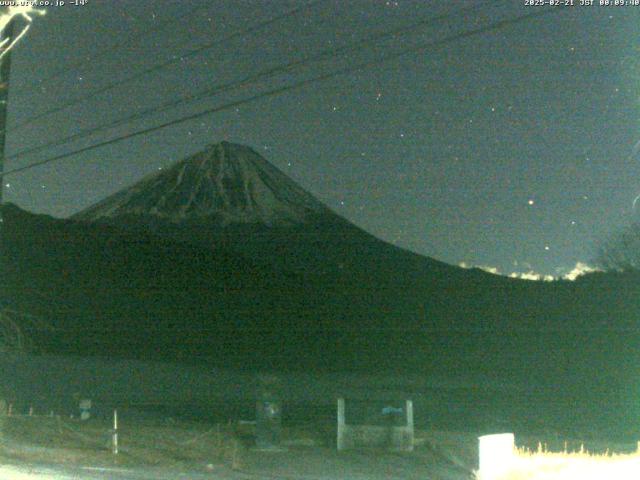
60 448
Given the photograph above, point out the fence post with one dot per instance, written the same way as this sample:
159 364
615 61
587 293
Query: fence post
268 413
410 431
114 438
341 424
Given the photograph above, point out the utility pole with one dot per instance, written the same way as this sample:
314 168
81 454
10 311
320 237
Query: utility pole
6 39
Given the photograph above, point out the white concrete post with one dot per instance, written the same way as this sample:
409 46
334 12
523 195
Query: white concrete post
410 433
114 435
497 454
341 424
409 408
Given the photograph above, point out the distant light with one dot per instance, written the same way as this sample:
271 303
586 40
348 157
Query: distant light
531 202
546 247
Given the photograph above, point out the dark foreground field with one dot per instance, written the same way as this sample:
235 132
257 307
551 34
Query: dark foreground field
180 421
168 448
160 447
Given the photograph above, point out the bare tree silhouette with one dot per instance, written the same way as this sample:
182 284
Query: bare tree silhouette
621 251
14 330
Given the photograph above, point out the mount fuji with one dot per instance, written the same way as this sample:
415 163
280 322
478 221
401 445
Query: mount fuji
226 184
230 198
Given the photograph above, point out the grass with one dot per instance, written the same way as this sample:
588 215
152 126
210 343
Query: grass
580 465
167 444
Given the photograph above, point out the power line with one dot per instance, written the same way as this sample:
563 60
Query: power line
160 66
270 72
277 91
106 51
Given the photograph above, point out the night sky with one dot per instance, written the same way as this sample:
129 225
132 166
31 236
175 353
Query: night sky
512 149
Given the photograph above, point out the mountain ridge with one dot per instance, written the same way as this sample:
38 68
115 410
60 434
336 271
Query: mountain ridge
227 183
228 196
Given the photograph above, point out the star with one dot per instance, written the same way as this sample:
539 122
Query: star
531 201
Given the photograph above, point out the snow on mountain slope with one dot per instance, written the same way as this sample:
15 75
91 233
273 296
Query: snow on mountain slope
226 183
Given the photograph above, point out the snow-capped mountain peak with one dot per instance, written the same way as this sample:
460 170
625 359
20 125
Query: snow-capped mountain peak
226 183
